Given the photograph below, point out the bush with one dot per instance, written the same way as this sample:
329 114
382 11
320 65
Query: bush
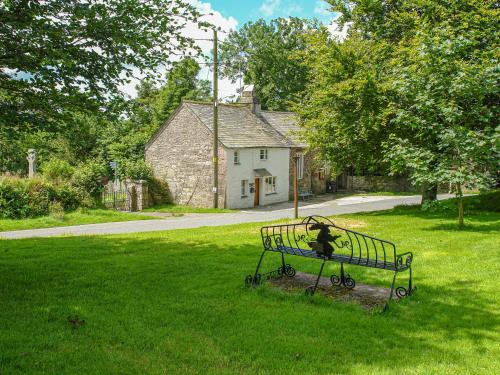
57 210
57 170
158 192
87 178
136 170
22 198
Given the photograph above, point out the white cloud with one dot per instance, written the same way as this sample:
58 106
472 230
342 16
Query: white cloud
192 30
269 7
322 8
338 32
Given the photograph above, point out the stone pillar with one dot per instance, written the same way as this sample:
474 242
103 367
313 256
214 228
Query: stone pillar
31 162
142 195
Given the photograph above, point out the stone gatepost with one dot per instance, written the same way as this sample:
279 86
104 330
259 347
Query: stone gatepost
137 195
31 162
142 194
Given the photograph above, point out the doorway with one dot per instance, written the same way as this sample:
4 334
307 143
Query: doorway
256 199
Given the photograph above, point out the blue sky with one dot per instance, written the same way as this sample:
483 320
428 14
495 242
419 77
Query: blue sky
251 10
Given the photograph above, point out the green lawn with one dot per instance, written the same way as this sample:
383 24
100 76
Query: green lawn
174 303
180 209
78 217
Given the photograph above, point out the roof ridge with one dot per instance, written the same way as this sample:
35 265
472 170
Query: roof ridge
238 105
284 112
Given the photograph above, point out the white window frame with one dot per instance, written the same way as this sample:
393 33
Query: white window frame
263 154
244 184
236 157
300 166
270 185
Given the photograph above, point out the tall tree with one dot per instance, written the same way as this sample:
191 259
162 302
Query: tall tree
263 53
59 57
182 83
125 139
431 82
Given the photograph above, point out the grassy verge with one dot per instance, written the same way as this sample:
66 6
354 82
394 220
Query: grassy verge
179 209
78 217
174 302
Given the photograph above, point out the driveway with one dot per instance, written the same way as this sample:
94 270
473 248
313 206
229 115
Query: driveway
322 206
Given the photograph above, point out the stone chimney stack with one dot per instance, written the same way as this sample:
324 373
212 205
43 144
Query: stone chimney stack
248 96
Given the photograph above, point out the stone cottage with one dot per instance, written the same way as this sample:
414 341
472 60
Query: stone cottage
256 151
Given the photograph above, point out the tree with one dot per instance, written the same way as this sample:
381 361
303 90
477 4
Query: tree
182 83
425 73
60 57
125 139
263 53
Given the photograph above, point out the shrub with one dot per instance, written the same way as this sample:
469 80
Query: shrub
22 198
56 210
158 191
87 178
57 170
136 170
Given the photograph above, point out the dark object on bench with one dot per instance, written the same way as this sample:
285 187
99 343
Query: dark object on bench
344 247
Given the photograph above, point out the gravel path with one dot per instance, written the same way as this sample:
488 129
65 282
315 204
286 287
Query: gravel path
326 208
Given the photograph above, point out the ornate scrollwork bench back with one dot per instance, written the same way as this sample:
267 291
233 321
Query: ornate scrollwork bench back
319 238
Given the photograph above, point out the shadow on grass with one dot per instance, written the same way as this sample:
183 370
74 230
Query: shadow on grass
195 285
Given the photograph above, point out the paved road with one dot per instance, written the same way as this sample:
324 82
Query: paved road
327 208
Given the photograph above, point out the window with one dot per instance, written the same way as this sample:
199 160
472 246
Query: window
236 158
263 154
244 188
270 185
300 166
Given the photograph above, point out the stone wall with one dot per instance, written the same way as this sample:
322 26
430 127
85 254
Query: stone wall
181 155
313 180
378 183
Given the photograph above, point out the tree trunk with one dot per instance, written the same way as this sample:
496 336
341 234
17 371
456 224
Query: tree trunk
460 206
429 192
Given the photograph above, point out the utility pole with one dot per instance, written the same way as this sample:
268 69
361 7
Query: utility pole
216 123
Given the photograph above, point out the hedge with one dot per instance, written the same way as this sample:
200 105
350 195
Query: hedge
22 198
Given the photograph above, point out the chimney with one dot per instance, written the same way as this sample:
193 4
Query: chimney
248 97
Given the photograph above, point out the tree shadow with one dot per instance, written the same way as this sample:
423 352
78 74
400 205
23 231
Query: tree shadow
196 284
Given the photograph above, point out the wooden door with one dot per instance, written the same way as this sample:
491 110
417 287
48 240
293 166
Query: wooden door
256 199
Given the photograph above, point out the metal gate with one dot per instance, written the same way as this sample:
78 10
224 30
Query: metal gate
114 195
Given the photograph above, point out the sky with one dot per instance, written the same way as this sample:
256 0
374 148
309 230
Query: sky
232 14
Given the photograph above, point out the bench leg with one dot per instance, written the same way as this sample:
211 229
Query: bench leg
312 289
403 292
255 280
346 281
392 291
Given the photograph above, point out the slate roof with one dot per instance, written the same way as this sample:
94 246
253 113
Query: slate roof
240 128
285 123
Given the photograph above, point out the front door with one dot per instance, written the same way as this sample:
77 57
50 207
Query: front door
256 199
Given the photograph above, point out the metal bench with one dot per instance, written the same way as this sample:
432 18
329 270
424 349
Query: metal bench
319 238
305 195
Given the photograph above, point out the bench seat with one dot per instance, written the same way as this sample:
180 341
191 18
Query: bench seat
341 258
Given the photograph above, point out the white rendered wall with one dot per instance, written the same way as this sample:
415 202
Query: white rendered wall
276 163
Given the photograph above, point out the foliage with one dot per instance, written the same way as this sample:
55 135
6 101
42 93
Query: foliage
136 170
60 57
182 83
88 177
262 53
57 170
147 297
414 85
22 198
125 139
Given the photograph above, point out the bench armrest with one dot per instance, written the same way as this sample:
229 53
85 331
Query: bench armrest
404 260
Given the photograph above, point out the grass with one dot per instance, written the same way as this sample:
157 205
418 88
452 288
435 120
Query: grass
174 303
180 209
77 217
